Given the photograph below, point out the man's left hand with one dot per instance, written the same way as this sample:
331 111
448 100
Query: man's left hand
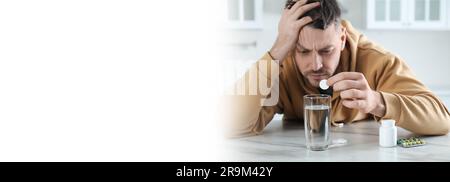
357 94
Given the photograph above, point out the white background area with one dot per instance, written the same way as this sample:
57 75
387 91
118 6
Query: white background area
107 80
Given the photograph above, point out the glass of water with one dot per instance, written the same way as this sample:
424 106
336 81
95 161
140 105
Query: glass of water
317 121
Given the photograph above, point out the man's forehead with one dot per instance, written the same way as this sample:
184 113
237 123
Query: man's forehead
318 47
310 37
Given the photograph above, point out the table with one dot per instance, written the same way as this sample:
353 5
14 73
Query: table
285 141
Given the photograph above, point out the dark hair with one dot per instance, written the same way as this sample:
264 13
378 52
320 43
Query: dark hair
327 13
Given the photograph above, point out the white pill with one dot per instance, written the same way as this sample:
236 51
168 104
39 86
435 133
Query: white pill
323 85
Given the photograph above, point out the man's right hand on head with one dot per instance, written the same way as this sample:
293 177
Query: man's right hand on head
289 28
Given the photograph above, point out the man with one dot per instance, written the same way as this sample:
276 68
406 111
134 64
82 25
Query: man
367 81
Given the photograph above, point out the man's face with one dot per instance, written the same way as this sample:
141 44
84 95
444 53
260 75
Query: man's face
318 51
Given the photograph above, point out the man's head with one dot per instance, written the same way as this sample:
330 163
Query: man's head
320 43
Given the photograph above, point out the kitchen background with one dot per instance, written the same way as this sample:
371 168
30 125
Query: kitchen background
416 30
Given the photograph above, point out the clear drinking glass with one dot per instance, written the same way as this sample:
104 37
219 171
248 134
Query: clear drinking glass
317 121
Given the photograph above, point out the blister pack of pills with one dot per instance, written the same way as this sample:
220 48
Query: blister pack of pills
410 142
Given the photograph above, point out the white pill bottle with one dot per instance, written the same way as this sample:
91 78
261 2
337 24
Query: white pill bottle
388 133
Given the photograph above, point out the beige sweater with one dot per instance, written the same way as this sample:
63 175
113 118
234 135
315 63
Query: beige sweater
407 100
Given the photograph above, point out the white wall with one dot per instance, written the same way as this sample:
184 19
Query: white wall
264 37
426 52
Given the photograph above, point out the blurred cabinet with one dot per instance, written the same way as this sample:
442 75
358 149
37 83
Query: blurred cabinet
243 14
408 14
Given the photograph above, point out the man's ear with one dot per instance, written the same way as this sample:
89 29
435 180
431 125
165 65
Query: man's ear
343 37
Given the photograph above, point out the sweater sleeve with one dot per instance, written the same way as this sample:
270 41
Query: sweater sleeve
409 102
247 113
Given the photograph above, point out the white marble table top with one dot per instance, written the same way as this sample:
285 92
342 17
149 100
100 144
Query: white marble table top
286 142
